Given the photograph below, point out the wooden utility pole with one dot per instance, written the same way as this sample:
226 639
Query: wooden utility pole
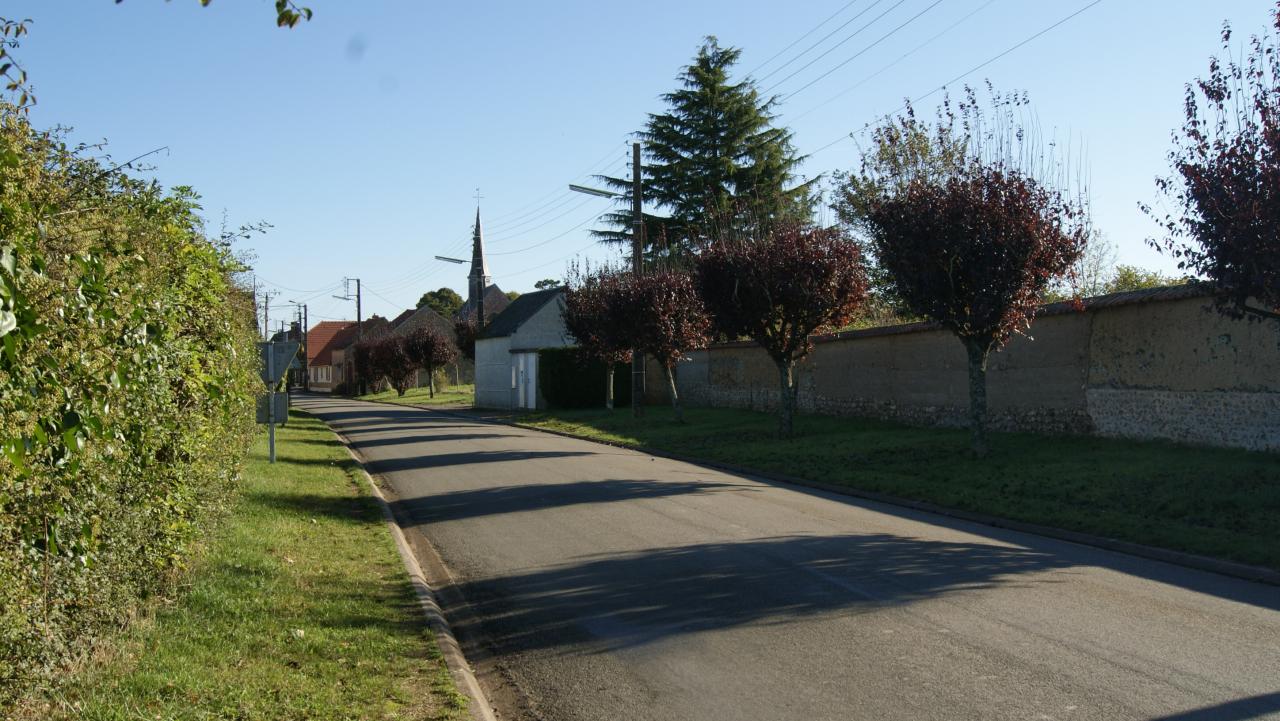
637 269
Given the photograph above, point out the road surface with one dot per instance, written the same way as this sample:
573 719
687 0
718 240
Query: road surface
588 582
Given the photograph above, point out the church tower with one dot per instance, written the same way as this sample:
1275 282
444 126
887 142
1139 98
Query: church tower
479 278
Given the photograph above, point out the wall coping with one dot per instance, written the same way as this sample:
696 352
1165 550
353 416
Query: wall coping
1083 305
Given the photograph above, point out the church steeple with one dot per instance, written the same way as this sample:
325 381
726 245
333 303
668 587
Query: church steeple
479 278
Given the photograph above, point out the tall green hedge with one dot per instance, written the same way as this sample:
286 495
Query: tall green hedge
567 379
127 375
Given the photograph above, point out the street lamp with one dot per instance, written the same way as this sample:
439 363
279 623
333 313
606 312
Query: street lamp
637 258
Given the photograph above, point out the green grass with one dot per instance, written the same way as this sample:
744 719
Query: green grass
298 609
462 396
1215 502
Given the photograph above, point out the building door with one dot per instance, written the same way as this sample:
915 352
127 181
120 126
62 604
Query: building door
527 380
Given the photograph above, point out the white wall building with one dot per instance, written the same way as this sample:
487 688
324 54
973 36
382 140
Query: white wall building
507 350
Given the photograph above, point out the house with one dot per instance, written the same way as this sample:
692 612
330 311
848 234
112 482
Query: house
342 355
507 350
462 370
323 339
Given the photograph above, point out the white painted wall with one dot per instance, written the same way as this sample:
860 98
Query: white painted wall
493 373
496 369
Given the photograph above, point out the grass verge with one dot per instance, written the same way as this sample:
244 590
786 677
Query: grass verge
1215 502
298 609
462 396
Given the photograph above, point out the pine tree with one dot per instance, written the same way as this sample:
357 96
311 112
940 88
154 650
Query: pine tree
713 159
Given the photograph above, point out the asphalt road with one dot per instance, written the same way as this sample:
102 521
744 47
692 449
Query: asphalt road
588 582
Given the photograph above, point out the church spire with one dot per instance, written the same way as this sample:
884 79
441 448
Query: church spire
479 278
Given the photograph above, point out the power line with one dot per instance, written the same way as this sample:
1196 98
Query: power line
555 197
546 223
900 58
856 55
966 73
831 49
795 42
822 40
291 290
503 217
548 240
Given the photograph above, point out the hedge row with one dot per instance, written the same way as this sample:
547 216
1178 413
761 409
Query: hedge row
567 379
127 375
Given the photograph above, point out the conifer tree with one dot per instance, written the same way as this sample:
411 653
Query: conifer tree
713 159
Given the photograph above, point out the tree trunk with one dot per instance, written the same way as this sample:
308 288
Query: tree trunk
608 391
675 395
978 350
431 382
786 398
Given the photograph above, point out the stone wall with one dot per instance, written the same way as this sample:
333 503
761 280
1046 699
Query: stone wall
1148 364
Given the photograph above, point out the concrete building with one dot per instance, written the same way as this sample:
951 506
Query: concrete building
507 350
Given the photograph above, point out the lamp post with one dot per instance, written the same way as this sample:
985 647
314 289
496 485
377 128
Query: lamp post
637 261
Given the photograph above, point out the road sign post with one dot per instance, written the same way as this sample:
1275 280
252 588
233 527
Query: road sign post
276 358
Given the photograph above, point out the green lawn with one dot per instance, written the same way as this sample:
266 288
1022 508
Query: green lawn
298 609
1214 502
462 396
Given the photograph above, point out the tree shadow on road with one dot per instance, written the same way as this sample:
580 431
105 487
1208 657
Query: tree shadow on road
617 601
409 440
500 500
1254 707
441 460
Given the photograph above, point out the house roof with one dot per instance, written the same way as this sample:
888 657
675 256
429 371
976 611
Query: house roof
396 321
495 301
324 337
375 327
424 317
520 310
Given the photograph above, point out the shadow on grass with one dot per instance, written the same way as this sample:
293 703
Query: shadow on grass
352 509
536 497
609 602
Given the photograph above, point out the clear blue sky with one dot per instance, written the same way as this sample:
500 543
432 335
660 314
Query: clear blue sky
362 135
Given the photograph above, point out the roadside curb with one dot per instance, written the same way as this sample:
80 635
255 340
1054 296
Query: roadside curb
464 677
1178 558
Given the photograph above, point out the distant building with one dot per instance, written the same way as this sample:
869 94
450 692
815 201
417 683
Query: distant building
324 371
507 350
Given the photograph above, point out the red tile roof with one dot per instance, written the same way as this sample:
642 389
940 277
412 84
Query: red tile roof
324 337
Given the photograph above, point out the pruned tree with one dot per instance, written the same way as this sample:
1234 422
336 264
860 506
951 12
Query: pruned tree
464 333
972 242
779 290
1225 227
665 318
389 360
429 349
592 305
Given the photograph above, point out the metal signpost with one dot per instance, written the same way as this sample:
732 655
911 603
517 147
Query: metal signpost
273 408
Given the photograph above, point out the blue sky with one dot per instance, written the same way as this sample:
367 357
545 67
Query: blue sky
362 135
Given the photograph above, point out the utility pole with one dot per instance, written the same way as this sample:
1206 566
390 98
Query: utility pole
359 325
306 368
637 269
267 295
